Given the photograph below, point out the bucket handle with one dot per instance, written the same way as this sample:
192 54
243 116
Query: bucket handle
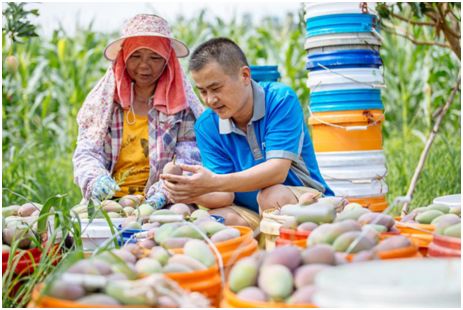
346 128
372 85
357 181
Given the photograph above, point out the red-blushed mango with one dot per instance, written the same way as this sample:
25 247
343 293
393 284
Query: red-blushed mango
453 231
186 260
172 168
175 242
180 208
225 234
305 275
288 255
353 242
98 299
199 250
66 290
28 208
392 243
307 226
252 293
111 206
319 254
308 198
302 296
160 254
377 219
364 256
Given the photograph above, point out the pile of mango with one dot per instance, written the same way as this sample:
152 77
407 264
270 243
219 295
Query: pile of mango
125 206
309 216
284 275
350 237
172 230
447 220
196 256
110 277
19 223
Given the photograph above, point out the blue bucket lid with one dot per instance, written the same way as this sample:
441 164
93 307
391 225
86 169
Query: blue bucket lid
341 23
344 59
346 100
265 73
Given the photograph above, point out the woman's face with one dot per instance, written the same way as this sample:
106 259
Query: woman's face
145 67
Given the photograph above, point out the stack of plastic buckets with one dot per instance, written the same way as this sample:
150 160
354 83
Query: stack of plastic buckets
346 111
265 73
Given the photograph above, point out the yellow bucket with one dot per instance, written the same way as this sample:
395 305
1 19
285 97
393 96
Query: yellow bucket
347 130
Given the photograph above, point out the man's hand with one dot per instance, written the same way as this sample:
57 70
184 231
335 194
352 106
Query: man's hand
185 188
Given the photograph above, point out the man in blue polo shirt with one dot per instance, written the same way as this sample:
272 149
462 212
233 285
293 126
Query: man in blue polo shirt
254 143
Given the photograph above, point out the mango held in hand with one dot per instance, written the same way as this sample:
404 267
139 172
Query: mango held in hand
172 168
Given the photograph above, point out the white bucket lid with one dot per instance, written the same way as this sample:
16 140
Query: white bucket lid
418 283
342 39
347 78
449 200
358 188
329 8
342 159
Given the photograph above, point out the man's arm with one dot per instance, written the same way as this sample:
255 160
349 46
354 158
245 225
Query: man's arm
181 188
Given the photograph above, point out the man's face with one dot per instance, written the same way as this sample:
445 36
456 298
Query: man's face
224 93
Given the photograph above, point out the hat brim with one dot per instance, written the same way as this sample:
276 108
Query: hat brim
113 48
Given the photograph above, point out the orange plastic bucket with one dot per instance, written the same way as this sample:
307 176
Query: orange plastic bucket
206 282
375 203
420 234
44 301
292 237
347 130
406 252
444 246
230 300
299 243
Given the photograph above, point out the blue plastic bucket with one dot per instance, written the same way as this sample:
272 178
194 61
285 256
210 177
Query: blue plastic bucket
127 235
346 100
265 73
344 59
341 23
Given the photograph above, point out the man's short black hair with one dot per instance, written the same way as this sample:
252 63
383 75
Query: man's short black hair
222 50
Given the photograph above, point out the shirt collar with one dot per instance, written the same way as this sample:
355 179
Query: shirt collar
227 126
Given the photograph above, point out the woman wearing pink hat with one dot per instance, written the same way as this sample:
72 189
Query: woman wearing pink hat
138 117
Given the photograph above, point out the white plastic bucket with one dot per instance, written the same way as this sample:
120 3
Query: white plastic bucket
358 188
342 41
349 78
97 232
453 201
417 283
329 8
368 165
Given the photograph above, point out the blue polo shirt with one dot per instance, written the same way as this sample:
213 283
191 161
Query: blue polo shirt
276 130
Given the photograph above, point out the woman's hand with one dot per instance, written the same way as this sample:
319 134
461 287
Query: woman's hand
104 188
181 188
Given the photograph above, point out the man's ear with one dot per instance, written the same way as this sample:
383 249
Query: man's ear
245 73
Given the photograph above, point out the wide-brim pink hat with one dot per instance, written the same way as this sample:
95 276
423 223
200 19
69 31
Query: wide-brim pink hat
145 25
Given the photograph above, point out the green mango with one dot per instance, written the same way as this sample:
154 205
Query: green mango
428 216
442 208
453 231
